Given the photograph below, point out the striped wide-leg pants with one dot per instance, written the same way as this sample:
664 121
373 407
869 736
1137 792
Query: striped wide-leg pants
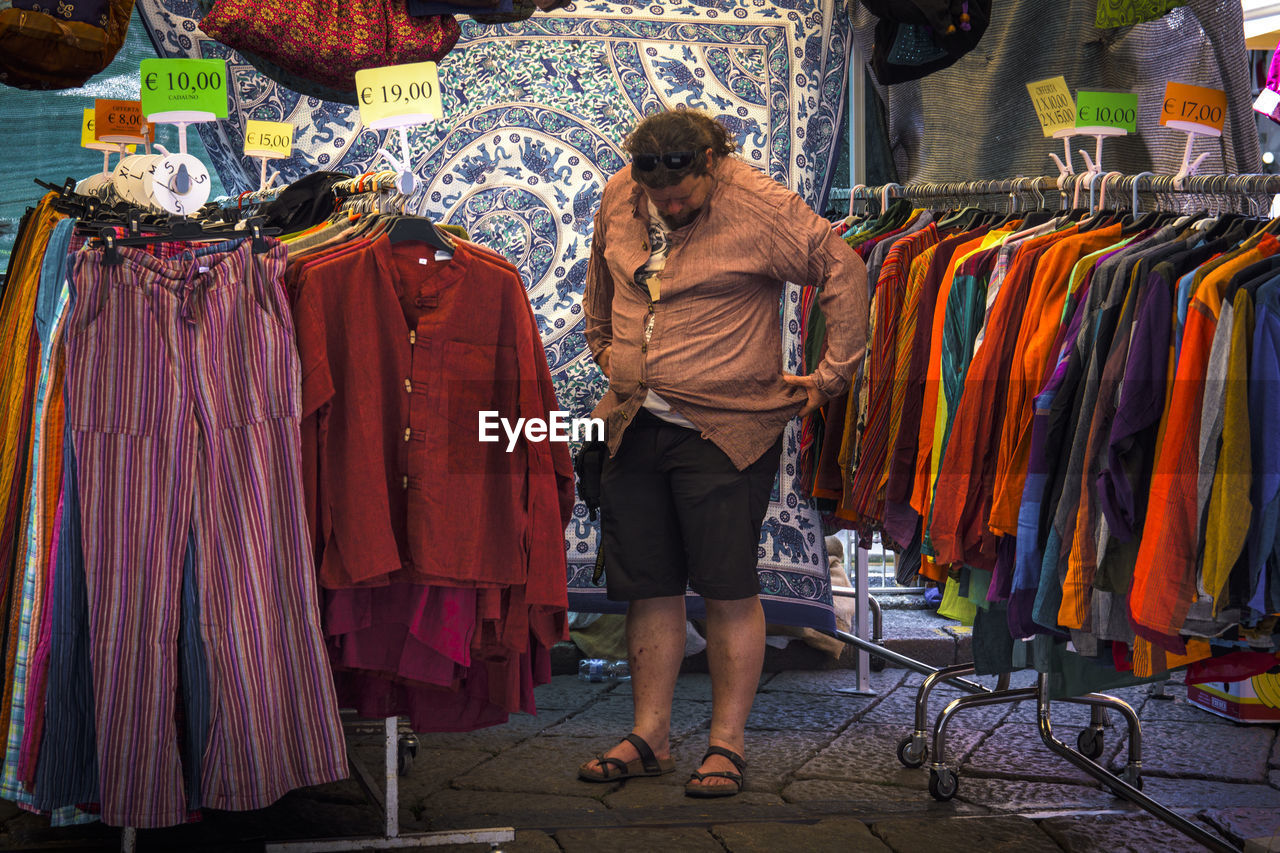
183 395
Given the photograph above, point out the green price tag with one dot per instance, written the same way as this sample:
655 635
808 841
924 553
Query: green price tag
1112 110
184 90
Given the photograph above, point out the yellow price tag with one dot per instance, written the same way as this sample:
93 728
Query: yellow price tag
120 121
268 139
1054 105
399 95
89 140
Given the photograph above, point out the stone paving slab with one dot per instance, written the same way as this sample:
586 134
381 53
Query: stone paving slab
869 799
1177 709
1110 833
1019 797
900 707
1016 750
1003 834
788 713
432 770
567 693
544 766
1206 750
518 728
868 753
1200 793
612 716
1242 824
643 796
833 681
452 809
638 840
830 834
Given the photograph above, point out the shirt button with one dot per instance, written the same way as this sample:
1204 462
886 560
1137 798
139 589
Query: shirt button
625 416
413 336
644 245
642 385
408 386
407 433
644 348
406 482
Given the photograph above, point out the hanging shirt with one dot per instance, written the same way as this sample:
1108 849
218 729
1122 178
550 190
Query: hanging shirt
1164 579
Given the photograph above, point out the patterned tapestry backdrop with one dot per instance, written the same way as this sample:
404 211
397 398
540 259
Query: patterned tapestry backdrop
535 115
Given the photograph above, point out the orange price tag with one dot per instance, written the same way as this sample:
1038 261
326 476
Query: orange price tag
121 121
1194 109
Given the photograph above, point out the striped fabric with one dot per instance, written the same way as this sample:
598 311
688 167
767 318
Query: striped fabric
182 407
867 492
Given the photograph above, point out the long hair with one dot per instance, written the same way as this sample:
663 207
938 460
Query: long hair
681 129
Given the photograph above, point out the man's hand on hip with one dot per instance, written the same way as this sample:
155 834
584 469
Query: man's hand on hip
810 386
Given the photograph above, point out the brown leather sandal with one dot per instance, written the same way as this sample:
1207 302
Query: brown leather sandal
647 764
708 791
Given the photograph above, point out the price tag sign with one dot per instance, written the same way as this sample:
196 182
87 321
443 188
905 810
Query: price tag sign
120 122
399 95
184 90
1194 109
268 139
1106 113
88 135
1054 107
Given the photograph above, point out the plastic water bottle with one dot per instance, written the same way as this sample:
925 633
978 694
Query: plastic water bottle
598 670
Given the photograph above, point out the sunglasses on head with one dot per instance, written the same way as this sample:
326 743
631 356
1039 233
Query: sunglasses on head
674 160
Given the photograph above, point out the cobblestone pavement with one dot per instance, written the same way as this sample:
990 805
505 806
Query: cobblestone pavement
822 775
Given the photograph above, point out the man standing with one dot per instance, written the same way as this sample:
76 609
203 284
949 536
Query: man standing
692 246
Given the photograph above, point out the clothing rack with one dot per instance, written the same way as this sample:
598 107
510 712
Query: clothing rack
1246 193
399 748
1225 187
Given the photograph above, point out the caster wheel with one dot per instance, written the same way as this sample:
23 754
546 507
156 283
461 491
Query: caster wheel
406 751
943 784
1089 743
909 754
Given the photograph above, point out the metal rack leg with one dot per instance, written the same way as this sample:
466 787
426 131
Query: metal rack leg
913 750
392 839
943 781
1115 783
1090 741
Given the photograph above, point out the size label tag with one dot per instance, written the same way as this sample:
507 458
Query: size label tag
182 90
1106 111
1267 102
1054 107
268 139
399 95
1194 109
88 135
120 122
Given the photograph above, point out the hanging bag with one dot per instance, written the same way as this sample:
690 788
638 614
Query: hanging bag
59 49
328 41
